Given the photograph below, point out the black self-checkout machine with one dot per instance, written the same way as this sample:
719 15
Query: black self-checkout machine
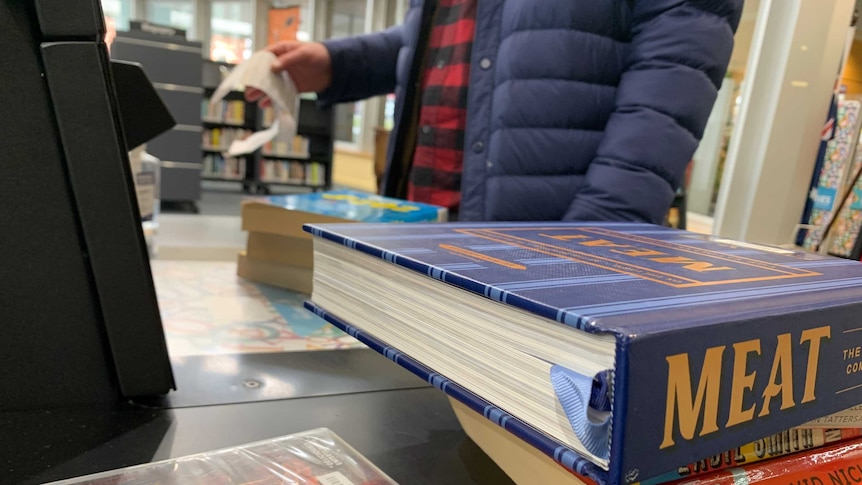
79 321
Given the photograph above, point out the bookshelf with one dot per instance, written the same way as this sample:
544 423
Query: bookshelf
303 162
232 119
306 160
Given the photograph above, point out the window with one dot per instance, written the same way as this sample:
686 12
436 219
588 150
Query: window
179 14
397 9
303 31
231 24
704 178
119 12
347 18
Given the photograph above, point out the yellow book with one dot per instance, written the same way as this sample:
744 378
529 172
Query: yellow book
274 274
293 251
523 463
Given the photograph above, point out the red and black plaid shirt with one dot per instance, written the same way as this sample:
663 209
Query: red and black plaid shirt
435 175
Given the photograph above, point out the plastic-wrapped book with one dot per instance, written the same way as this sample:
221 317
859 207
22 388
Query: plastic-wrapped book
315 457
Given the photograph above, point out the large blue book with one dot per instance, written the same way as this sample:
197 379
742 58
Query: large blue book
622 351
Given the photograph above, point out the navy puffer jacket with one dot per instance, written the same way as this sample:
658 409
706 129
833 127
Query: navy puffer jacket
577 109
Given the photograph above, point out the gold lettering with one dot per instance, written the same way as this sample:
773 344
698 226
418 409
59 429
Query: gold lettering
741 381
814 336
565 237
679 394
690 264
784 360
604 243
377 204
638 253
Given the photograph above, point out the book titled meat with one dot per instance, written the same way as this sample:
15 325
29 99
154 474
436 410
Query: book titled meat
622 351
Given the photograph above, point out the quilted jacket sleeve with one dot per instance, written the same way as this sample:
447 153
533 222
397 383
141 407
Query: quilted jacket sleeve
363 66
677 59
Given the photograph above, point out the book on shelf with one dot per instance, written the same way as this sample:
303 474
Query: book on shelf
230 112
220 139
565 334
215 165
297 147
314 457
292 172
834 170
279 253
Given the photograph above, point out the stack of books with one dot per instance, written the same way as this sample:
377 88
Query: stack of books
279 253
614 353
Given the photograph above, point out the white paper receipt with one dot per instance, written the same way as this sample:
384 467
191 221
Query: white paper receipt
256 73
334 478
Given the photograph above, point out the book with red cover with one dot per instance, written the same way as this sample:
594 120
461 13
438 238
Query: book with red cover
839 464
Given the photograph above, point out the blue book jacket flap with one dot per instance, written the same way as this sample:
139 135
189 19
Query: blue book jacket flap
721 342
358 206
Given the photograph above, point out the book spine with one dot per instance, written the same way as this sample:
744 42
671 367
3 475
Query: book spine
553 449
714 387
780 444
839 464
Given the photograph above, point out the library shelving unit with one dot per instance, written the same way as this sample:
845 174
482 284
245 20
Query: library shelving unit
232 118
306 160
302 162
173 64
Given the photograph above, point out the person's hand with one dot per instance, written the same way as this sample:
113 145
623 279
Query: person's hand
307 63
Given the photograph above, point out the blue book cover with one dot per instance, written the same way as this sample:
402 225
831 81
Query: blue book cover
358 206
718 342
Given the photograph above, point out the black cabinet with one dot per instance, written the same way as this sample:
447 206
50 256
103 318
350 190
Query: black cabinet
80 322
173 64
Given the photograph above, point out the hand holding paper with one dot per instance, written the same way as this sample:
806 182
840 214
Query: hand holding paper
256 72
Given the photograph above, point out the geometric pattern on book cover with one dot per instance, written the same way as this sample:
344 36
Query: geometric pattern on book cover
774 337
